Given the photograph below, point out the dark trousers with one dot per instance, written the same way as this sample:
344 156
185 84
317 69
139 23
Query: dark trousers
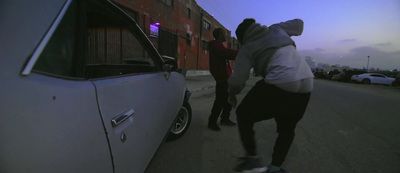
265 101
220 103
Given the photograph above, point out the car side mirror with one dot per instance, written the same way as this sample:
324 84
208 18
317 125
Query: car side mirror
169 64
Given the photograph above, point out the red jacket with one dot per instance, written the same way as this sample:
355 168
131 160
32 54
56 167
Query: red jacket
219 55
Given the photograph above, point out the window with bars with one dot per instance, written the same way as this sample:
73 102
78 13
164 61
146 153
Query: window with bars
206 25
115 45
204 45
168 2
188 39
113 48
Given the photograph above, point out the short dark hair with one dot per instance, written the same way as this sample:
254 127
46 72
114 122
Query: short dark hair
241 29
217 32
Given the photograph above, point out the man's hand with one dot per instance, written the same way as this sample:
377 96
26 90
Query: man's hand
232 101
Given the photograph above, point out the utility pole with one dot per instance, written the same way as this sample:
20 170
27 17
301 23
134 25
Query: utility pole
200 39
368 64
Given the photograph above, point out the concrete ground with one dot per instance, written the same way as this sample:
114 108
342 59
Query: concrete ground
198 80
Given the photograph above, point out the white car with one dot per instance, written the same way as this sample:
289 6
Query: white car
83 89
373 78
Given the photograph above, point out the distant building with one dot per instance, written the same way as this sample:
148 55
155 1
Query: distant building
310 61
322 65
346 67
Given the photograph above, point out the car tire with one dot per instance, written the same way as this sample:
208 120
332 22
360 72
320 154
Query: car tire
181 122
366 81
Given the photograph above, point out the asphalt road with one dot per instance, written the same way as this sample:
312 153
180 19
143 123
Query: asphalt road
347 128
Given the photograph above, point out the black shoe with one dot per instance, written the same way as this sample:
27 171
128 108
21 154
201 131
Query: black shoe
214 126
227 122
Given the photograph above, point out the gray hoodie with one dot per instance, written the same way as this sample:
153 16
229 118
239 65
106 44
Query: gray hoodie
260 43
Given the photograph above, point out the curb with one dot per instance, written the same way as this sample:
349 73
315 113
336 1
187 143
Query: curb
202 88
191 73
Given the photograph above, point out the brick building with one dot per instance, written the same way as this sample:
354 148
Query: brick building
178 28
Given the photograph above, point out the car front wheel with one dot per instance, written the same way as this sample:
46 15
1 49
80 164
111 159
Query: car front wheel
366 81
181 122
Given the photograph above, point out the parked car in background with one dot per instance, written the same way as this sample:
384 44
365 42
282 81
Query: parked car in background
336 77
354 78
346 75
320 74
83 89
397 80
332 73
373 78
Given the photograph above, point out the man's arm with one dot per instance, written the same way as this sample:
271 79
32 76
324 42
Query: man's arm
222 52
240 75
292 27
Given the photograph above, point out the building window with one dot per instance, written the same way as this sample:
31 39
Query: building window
206 25
189 13
168 2
167 43
204 45
188 39
113 47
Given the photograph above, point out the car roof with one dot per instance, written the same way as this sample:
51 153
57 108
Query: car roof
370 73
23 25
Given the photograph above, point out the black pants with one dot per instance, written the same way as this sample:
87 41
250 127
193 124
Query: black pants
265 101
220 103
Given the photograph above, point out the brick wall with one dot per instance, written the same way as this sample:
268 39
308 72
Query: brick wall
190 32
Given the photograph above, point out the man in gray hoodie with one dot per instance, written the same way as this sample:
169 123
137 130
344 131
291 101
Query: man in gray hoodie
282 94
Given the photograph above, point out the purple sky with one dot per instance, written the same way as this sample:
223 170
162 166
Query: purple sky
341 32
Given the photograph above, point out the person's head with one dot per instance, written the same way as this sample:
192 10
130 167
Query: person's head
241 29
219 34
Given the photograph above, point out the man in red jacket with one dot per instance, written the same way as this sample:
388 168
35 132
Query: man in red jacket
220 70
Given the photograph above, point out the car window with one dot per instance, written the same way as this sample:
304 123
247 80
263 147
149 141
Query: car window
111 43
59 55
377 75
112 47
95 40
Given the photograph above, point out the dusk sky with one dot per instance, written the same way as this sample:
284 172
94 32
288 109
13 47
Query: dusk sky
341 32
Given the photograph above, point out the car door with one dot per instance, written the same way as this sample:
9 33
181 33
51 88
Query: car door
137 100
49 117
137 114
378 78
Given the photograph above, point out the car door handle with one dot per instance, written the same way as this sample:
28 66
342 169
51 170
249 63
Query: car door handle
122 117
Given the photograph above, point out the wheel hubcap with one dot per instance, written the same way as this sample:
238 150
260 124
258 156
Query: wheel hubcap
181 121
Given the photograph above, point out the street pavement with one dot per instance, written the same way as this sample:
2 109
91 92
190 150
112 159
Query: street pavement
197 83
200 80
347 128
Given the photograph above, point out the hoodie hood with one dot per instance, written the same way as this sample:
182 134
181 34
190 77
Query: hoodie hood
255 31
261 42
